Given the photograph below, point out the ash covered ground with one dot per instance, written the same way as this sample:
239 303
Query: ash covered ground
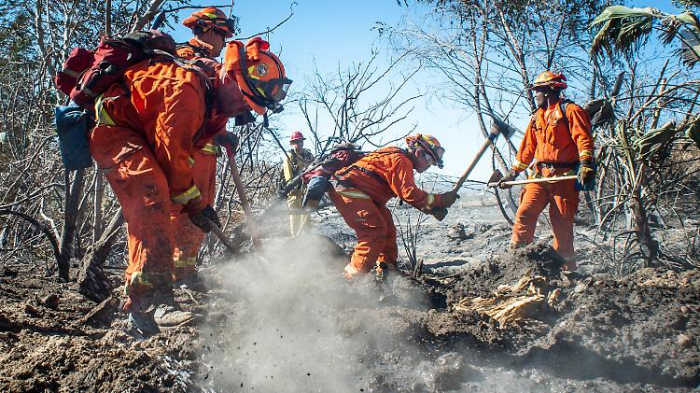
286 321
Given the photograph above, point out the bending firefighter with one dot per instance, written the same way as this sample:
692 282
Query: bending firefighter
295 160
148 130
364 188
210 28
559 138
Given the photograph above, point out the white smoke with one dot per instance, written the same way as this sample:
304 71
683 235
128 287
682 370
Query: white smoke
291 323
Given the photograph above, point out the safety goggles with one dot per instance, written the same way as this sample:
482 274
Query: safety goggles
430 159
434 152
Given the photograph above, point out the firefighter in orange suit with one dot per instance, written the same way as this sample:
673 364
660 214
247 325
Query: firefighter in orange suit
561 143
144 141
364 188
210 28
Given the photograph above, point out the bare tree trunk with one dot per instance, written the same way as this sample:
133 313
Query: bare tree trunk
97 205
70 219
92 281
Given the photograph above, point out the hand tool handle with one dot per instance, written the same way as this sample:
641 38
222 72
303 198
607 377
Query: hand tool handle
225 240
471 166
537 180
250 220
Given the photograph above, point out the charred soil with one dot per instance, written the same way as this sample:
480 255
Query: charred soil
286 321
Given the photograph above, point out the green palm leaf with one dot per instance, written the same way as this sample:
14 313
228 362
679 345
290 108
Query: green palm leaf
624 30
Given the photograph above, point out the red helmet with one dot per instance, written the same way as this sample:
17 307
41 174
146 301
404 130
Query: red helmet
550 79
428 143
297 135
211 18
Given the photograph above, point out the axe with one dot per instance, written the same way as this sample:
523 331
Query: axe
498 127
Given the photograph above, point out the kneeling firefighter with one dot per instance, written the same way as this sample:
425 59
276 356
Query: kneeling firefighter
364 188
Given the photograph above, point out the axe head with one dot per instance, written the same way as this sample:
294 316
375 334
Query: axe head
499 127
495 177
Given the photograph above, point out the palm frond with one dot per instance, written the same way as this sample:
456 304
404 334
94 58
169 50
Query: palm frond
692 130
624 29
689 51
655 140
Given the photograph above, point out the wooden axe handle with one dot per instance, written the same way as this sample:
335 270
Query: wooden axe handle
250 219
492 137
225 240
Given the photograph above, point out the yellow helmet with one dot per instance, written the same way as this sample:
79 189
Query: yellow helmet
550 79
211 18
430 144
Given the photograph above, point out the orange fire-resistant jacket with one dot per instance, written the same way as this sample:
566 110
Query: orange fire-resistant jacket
194 48
154 89
384 174
228 97
550 138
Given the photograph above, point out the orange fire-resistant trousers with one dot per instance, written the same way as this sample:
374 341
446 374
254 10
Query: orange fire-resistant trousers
563 200
142 190
143 142
374 226
188 237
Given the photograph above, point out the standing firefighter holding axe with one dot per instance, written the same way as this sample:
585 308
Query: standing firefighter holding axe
559 138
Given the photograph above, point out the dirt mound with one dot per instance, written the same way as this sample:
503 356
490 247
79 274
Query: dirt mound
642 328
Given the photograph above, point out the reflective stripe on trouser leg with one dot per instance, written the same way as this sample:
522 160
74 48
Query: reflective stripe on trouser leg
188 237
390 253
298 217
366 219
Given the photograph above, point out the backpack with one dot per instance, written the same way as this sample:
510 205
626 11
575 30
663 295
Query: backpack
86 74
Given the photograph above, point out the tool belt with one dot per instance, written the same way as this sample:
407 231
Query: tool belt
556 165
555 169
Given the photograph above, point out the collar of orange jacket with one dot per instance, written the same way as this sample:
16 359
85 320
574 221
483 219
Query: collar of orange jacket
203 46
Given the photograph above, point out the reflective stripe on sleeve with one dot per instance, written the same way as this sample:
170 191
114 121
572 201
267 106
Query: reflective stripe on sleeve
102 115
519 166
430 201
211 148
190 194
583 154
182 263
353 193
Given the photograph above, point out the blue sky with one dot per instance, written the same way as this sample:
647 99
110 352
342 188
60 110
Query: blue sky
338 33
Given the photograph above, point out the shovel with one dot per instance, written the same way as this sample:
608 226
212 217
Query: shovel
497 128
234 249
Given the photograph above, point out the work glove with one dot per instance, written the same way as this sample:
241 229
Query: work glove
202 218
439 213
227 140
449 198
510 176
586 175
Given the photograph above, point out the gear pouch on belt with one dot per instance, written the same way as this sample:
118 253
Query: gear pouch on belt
72 125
